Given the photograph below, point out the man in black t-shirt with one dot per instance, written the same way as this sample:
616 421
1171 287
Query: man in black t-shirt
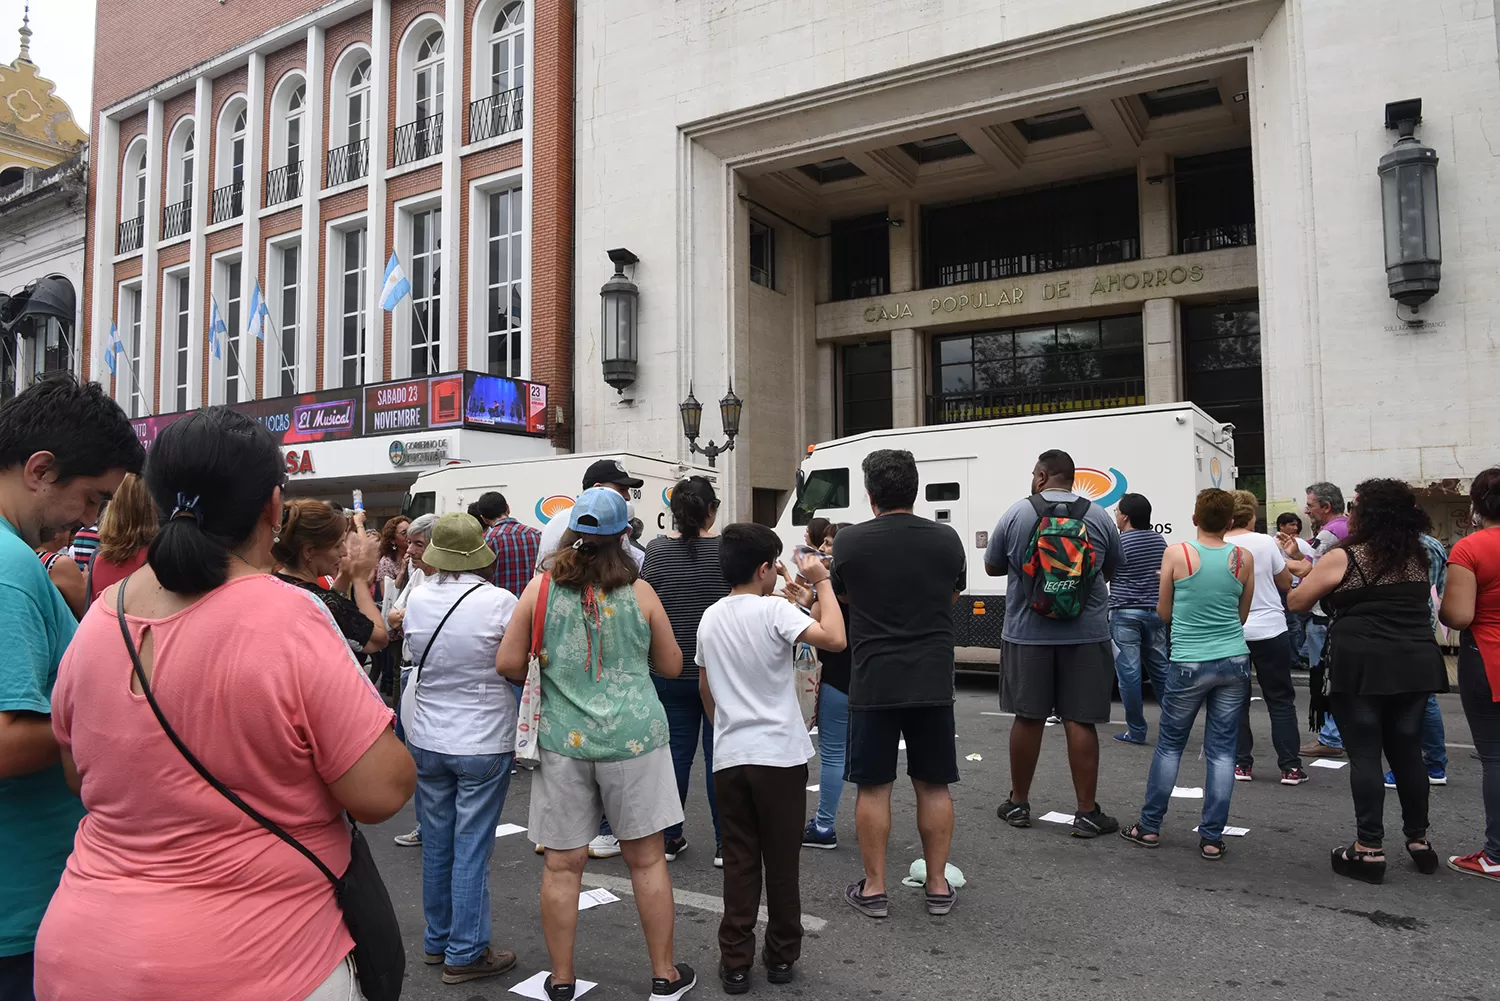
900 575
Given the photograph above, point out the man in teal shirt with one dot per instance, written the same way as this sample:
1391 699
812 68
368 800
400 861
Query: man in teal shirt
64 447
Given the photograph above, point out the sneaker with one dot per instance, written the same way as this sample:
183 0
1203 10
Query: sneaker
1390 780
1094 823
1293 777
671 990
489 964
1015 814
412 840
675 847
815 837
1054 719
1242 774
557 992
604 846
432 958
1318 749
1477 864
719 855
1437 775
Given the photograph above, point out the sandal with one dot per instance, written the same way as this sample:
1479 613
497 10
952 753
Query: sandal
1425 858
1220 849
1146 839
1353 862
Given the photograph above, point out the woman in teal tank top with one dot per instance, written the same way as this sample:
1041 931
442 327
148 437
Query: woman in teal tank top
1206 587
603 740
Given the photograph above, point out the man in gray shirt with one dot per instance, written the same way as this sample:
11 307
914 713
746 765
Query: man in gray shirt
1061 665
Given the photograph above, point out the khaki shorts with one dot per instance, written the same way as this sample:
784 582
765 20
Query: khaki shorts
569 796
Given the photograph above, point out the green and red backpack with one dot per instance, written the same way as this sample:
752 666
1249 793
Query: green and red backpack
1061 560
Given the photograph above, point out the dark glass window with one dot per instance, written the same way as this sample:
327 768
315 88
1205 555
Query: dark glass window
1067 122
861 252
9 364
762 254
1077 365
937 148
942 491
867 388
823 490
1053 229
1215 201
1221 369
828 171
1183 97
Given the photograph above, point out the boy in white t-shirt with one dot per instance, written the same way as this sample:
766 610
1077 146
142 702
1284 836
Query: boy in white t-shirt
761 747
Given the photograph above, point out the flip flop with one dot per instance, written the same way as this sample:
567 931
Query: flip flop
876 905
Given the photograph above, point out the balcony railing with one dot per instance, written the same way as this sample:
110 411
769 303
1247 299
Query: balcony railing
129 237
495 115
419 139
955 408
348 163
229 201
284 183
177 219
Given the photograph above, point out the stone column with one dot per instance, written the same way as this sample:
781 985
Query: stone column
198 215
903 246
310 261
105 163
1163 351
250 357
1155 205
826 419
907 382
377 320
143 364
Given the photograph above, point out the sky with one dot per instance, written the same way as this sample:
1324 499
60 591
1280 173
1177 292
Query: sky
62 46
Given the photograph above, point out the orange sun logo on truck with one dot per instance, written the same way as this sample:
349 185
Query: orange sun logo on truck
1103 488
550 507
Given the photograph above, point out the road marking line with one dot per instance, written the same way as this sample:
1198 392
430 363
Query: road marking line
699 901
1467 747
996 714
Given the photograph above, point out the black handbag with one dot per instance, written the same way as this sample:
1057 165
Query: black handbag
379 954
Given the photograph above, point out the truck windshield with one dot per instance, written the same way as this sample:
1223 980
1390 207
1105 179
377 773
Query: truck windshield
416 505
822 490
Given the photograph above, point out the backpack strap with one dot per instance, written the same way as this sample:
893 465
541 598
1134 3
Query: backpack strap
1078 507
1041 505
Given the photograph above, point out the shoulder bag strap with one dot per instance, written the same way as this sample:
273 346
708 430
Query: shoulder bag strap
441 623
539 615
223 790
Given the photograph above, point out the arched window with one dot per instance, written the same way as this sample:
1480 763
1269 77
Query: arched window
133 196
284 178
497 108
422 136
229 190
508 49
181 153
349 126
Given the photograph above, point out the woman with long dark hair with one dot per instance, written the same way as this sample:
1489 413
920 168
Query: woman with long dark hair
603 739
1382 663
1471 602
171 891
683 569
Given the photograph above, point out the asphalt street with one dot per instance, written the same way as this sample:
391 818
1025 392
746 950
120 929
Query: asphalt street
1045 915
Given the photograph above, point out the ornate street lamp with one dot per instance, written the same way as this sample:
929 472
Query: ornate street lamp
730 408
1409 200
619 297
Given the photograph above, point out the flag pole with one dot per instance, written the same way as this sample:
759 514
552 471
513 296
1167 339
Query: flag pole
426 338
280 345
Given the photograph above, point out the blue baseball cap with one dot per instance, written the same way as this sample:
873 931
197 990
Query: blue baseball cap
599 511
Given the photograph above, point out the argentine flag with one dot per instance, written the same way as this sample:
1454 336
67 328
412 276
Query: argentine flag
396 286
112 348
216 330
259 312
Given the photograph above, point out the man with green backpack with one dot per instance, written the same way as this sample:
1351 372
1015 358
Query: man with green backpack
1053 547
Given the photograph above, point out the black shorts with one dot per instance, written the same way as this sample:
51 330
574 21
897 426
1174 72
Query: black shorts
1073 680
875 736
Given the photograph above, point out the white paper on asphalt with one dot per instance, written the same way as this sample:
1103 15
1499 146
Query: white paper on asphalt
536 987
1325 763
813 788
1057 818
506 829
593 898
1187 792
1233 832
701 901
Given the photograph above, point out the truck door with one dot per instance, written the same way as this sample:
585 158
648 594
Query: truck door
943 496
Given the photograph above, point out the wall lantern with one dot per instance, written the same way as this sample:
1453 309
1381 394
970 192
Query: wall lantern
1409 200
619 297
692 422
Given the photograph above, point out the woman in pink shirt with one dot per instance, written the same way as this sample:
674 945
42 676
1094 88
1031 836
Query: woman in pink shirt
172 893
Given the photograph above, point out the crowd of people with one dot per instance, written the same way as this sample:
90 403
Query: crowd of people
166 758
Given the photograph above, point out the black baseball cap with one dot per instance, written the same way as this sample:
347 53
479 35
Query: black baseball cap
609 471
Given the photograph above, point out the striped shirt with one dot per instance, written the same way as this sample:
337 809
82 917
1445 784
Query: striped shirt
85 545
1137 582
687 577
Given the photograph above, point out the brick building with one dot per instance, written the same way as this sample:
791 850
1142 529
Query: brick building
280 152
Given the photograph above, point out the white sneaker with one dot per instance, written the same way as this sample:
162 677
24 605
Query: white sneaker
604 846
412 840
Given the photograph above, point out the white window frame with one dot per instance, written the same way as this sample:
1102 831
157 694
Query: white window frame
231 368
129 392
284 344
133 188
338 309
769 272
514 245
404 331
408 68
228 131
182 148
343 129
176 339
289 132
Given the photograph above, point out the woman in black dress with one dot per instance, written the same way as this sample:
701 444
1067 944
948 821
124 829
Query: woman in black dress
309 545
1383 662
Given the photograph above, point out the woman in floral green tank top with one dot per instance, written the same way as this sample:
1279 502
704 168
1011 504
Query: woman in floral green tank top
603 737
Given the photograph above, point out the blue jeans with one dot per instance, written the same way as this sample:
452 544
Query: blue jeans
1296 627
1224 685
1434 737
833 742
686 720
459 797
1317 635
1141 635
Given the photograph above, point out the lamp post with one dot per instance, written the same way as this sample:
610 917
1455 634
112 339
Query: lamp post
619 297
730 408
1409 203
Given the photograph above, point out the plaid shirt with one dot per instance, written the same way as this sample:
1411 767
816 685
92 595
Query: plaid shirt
515 547
1437 571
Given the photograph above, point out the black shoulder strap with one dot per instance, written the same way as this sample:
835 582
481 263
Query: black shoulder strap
1041 505
88 594
443 622
223 790
1078 507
